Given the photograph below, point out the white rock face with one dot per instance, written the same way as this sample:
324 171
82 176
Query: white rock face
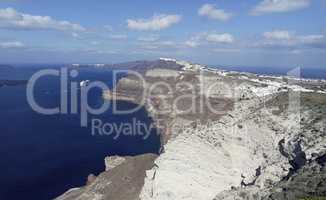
113 161
200 163
239 150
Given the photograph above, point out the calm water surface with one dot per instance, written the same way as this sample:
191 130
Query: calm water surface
42 156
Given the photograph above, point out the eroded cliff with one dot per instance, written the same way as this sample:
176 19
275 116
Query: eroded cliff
225 135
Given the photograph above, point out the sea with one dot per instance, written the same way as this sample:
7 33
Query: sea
42 156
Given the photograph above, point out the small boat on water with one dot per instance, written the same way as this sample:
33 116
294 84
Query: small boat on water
84 83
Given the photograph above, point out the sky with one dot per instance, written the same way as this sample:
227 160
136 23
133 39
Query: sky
217 32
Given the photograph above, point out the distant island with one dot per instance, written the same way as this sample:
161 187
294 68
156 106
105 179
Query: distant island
6 67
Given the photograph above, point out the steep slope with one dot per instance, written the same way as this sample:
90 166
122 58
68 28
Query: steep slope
254 137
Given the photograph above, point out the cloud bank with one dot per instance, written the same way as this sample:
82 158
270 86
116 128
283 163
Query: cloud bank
225 38
156 23
287 39
210 38
11 44
12 19
279 6
278 34
210 11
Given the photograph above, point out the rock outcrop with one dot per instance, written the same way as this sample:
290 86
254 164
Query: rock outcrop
123 179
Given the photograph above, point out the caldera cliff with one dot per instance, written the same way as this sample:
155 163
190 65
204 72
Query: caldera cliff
225 135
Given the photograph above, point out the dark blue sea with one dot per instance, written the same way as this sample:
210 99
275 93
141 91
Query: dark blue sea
42 156
305 72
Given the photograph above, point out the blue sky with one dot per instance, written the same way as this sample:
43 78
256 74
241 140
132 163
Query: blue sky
219 32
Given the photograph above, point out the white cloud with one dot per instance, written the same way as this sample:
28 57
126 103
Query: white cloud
292 38
191 43
310 39
195 40
278 35
166 45
11 44
108 27
220 38
95 43
226 50
118 36
212 12
149 38
296 51
207 38
12 19
156 23
287 39
76 35
279 6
